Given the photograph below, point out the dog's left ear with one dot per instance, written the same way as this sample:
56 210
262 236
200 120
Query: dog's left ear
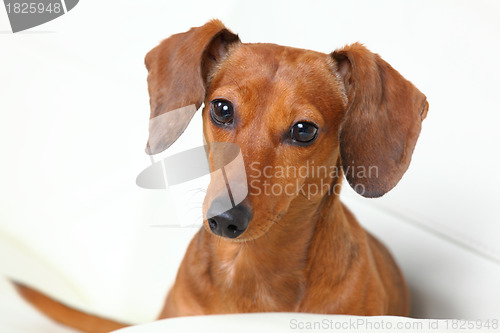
178 71
382 121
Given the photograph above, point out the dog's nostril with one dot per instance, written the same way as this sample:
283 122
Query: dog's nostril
212 224
232 228
230 223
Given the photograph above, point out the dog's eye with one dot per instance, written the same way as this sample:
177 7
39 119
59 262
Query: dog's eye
221 111
304 132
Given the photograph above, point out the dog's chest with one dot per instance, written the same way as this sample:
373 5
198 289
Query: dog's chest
249 285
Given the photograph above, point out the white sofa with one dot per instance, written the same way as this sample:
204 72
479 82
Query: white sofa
73 126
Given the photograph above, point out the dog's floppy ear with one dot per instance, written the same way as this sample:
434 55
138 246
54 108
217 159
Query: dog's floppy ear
178 70
382 121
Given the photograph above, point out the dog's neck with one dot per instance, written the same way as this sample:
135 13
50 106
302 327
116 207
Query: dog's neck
278 262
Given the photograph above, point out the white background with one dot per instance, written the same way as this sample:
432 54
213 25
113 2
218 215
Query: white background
73 125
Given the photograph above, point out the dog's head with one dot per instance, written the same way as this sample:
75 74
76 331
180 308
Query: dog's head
298 116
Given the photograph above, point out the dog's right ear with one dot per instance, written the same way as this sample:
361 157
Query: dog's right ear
178 71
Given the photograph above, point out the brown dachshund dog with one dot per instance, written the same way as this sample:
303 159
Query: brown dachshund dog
348 110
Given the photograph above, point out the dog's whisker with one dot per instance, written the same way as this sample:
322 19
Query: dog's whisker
274 221
265 232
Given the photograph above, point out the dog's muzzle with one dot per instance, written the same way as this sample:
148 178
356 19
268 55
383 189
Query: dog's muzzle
232 222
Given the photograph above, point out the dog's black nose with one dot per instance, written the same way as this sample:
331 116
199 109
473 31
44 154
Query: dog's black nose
232 222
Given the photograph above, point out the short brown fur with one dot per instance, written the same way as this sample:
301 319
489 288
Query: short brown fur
299 253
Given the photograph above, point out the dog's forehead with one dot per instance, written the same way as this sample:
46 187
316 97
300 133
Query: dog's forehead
262 59
270 70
